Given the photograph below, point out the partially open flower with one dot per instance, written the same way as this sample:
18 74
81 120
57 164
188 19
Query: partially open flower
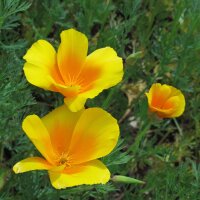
166 101
71 143
70 71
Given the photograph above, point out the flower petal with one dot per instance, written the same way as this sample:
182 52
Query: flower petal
35 75
41 65
68 91
60 124
29 164
93 172
178 99
159 94
38 134
163 113
75 103
165 100
95 136
72 53
178 105
103 69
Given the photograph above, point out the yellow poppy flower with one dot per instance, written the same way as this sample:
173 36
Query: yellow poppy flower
71 144
166 101
70 71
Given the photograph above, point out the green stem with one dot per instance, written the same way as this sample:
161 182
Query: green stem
106 103
142 133
2 152
178 127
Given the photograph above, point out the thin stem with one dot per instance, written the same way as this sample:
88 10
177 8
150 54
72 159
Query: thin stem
164 137
142 133
2 152
106 103
178 127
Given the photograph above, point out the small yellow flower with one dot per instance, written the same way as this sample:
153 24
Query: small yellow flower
71 143
166 101
70 71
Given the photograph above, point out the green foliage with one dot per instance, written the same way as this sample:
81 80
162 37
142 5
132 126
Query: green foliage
8 8
162 153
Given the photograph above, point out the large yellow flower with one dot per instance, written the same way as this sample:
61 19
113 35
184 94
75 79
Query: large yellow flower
70 71
166 101
71 143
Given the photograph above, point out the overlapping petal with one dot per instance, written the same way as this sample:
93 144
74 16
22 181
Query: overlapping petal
93 131
159 94
178 105
60 124
75 103
93 172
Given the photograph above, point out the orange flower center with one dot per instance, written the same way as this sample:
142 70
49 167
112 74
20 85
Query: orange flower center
77 83
63 161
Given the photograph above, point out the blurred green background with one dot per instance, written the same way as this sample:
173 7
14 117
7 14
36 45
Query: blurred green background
159 41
